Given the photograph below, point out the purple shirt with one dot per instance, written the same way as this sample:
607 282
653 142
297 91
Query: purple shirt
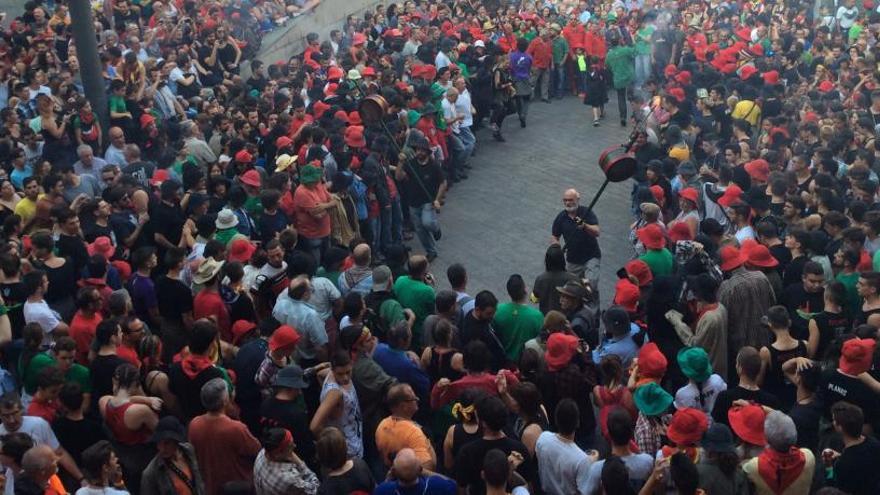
520 65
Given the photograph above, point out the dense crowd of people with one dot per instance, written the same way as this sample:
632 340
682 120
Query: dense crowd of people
219 290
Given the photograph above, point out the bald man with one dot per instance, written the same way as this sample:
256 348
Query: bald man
408 476
398 432
578 228
292 308
39 469
358 278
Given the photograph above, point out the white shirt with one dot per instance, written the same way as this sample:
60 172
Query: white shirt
324 293
38 429
689 395
639 467
744 233
40 312
563 467
441 60
449 113
115 156
463 106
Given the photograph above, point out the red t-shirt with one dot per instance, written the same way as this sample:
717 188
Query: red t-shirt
129 354
82 331
45 410
225 449
304 199
209 303
541 52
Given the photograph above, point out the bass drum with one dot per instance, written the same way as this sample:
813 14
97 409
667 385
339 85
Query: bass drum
373 109
617 163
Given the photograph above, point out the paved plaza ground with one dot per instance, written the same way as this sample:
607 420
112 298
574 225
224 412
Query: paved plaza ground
497 222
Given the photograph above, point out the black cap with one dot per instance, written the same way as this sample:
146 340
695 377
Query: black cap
169 428
290 377
616 320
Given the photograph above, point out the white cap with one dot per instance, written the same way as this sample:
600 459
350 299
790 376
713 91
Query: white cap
479 44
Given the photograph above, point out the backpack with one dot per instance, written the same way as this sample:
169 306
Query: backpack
372 317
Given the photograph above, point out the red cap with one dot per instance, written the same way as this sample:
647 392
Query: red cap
652 236
658 193
652 362
811 117
687 426
283 142
679 231
759 256
334 73
354 137
826 86
626 294
757 50
669 71
359 39
368 72
240 250
244 157
160 176
747 72
354 118
331 89
240 328
856 356
146 120
758 170
748 423
251 177
690 194
560 349
731 258
640 270
123 268
744 33
771 77
285 337
341 115
731 195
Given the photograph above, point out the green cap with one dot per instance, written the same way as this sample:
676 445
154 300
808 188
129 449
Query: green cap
651 399
694 363
310 174
412 117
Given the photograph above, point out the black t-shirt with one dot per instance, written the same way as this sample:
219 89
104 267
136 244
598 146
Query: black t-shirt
806 417
782 255
836 386
856 472
123 224
431 176
800 304
174 299
831 327
141 171
188 390
580 246
15 295
291 416
246 364
72 248
725 400
469 462
93 231
76 436
168 220
358 478
102 369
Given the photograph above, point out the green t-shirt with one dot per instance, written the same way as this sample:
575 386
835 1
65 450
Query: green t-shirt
517 324
80 375
391 312
660 261
417 296
117 104
621 61
643 40
560 49
37 364
849 280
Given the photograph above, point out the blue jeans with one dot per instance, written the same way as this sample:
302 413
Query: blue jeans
643 69
558 81
315 247
467 138
425 219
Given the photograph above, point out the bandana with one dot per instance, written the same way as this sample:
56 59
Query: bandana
194 364
780 469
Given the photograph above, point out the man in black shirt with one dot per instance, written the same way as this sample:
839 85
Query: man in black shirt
424 185
167 218
493 417
855 469
477 325
70 243
282 410
187 377
175 300
804 299
748 367
579 228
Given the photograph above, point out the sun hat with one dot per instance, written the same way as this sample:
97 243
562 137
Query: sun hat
651 399
687 426
651 236
731 195
560 349
856 356
102 245
354 75
283 142
241 328
759 256
207 270
251 178
241 250
718 439
758 170
226 219
244 157
284 337
640 270
679 231
573 289
290 376
354 118
310 174
283 162
748 423
354 137
652 362
731 258
694 363
627 295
